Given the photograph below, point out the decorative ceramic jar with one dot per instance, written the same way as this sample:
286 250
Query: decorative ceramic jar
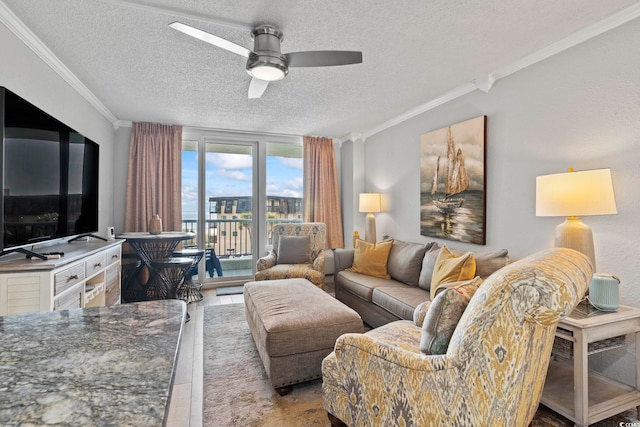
604 292
155 225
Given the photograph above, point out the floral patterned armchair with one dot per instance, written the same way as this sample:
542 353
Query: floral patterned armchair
311 257
494 368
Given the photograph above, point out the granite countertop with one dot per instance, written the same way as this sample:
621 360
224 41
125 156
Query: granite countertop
103 366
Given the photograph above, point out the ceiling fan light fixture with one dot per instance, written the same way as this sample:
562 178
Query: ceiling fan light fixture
266 62
267 72
266 67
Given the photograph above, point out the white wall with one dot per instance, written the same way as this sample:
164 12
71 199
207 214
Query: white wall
122 142
581 109
25 74
351 156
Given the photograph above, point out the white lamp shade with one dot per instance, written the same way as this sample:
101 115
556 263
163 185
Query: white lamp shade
575 194
370 202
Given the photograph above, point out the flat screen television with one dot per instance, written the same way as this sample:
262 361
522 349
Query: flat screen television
49 177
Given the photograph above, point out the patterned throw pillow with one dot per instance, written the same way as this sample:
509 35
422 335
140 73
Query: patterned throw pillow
444 314
371 258
451 267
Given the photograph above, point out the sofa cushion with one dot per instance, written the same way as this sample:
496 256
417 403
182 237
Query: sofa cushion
488 262
343 258
399 299
444 314
360 285
371 258
452 267
428 264
405 261
293 250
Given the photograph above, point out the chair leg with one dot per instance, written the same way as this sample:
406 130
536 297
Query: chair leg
335 421
283 391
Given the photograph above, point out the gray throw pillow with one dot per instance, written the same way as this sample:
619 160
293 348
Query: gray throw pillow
488 262
405 261
293 250
428 264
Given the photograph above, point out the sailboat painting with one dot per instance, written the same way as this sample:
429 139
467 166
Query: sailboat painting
452 182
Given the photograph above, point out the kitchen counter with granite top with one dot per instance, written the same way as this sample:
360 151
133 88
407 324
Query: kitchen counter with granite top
103 366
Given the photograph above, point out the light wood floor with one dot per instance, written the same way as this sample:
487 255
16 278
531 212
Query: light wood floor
185 409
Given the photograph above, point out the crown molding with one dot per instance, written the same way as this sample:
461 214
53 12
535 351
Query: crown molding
20 30
122 124
442 99
486 82
351 136
609 23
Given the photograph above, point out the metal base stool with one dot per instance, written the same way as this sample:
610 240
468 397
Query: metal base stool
190 291
131 287
166 276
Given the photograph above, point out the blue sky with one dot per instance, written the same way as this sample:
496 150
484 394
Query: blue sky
231 175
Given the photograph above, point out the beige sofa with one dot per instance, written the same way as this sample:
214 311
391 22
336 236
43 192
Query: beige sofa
410 265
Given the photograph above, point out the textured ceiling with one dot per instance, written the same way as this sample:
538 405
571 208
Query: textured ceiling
413 51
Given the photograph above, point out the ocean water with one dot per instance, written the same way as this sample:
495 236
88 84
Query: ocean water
465 224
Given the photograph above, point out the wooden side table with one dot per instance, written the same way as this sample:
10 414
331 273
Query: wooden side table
571 389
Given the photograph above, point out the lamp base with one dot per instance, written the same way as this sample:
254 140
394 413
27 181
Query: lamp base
370 228
575 234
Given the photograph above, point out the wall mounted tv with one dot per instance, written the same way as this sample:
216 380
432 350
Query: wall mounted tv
49 177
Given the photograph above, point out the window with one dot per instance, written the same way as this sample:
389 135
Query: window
284 184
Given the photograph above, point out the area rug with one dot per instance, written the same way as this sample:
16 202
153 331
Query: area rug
237 391
229 290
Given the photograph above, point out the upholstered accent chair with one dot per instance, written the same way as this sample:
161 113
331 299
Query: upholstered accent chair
494 368
298 252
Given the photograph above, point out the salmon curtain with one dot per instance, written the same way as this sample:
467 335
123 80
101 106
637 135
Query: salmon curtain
321 192
154 184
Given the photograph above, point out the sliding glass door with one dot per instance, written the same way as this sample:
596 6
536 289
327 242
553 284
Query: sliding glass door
222 178
217 205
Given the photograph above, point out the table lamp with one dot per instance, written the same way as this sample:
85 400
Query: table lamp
370 203
575 194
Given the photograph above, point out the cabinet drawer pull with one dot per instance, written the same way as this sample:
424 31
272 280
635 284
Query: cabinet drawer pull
97 264
72 277
115 256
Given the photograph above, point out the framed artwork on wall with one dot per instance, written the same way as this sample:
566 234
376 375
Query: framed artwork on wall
452 182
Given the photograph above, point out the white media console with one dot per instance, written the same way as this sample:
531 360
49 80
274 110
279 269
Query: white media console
87 275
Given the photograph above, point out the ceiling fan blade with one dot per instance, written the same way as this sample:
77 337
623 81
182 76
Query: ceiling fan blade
210 38
323 58
257 88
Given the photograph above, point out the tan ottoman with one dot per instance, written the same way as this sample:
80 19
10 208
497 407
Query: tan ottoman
295 325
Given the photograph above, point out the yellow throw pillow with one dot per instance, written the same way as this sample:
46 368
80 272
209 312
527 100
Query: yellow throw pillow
451 267
371 259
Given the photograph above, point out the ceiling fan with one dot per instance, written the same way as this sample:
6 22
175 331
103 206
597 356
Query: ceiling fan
266 63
